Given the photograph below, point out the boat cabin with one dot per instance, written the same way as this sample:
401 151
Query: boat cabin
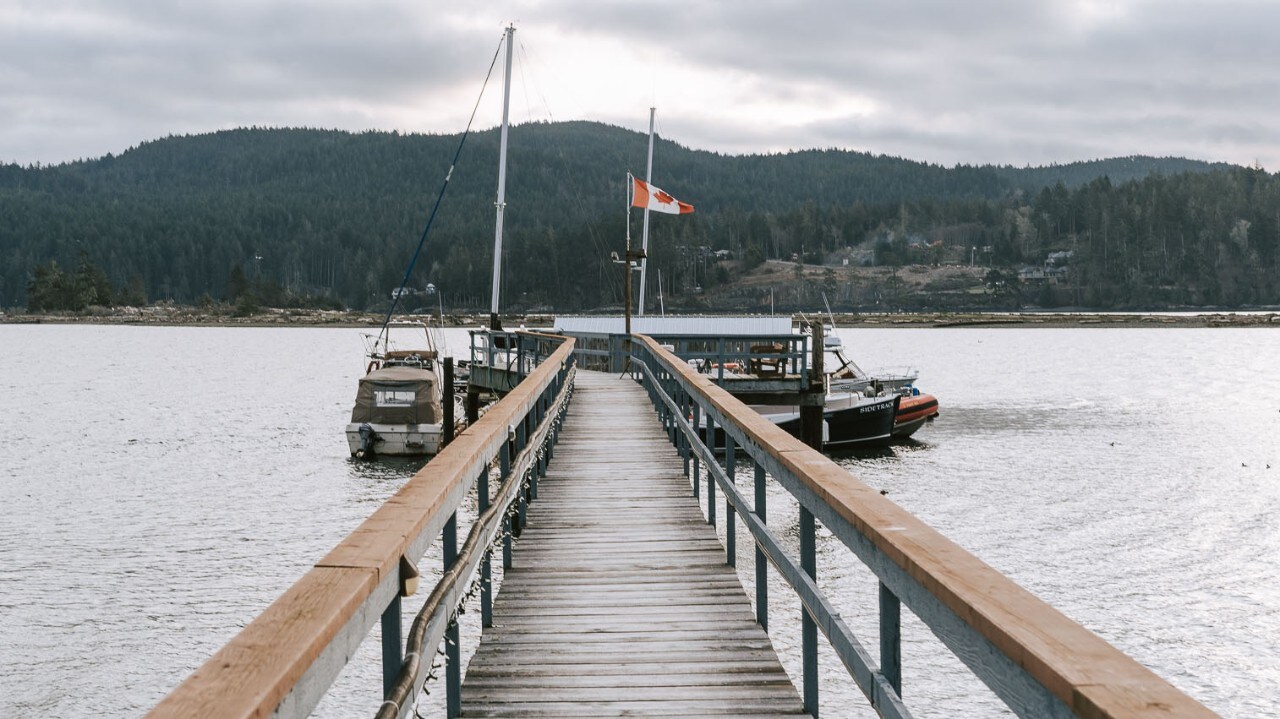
398 394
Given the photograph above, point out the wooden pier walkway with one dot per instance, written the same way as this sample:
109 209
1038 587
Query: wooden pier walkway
620 602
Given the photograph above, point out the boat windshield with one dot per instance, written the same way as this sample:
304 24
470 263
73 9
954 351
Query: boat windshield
403 339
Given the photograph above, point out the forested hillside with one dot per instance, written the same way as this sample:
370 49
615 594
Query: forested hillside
332 217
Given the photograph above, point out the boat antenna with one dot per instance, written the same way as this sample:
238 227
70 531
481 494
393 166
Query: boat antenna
828 306
383 334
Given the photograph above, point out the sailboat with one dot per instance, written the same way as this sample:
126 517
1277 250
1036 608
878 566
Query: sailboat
492 365
399 403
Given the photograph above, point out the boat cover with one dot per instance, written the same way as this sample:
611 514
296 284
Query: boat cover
398 395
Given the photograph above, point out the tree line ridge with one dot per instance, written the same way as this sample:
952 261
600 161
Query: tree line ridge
329 218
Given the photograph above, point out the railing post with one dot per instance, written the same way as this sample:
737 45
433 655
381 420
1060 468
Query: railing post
522 496
544 404
530 424
673 431
504 467
697 462
809 628
762 568
730 518
486 568
711 479
452 652
553 436
686 405
392 646
891 638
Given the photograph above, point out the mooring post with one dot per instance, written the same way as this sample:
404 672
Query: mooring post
472 406
814 395
519 359
448 428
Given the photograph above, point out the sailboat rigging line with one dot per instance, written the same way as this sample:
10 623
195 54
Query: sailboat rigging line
526 62
524 85
590 226
384 333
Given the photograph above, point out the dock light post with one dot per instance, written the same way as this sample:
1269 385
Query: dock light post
632 262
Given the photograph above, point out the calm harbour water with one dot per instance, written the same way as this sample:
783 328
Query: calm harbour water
163 485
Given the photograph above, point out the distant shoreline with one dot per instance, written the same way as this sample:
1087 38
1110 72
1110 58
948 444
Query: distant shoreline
163 316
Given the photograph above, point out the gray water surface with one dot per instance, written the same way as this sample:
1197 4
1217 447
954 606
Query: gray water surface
161 486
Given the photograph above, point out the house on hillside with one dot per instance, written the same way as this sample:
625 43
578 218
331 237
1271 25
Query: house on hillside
1056 268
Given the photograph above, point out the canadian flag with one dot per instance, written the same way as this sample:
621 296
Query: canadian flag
646 195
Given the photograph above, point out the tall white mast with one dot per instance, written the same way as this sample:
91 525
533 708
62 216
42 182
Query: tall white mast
644 238
501 203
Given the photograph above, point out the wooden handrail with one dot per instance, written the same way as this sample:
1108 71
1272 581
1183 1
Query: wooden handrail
317 623
1090 677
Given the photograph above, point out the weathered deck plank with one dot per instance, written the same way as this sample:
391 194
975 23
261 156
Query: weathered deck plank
621 603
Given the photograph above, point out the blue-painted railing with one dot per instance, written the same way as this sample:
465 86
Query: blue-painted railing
500 359
1039 662
768 356
284 661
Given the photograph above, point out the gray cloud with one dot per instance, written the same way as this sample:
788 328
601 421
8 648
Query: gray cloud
983 81
1036 82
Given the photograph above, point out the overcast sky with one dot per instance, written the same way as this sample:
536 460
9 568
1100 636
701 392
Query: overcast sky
982 81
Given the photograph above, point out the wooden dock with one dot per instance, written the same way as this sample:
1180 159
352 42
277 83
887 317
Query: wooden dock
620 602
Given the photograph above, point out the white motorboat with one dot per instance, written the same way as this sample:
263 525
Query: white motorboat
399 403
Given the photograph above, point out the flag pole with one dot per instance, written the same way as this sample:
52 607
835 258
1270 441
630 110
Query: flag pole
626 264
644 237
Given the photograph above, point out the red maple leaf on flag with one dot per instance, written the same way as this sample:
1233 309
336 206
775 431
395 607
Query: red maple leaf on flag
664 198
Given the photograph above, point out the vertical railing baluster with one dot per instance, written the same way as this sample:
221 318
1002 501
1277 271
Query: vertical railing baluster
674 386
539 467
711 479
809 628
392 646
697 462
486 565
891 638
504 467
730 517
561 379
684 439
762 569
522 496
531 426
452 650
